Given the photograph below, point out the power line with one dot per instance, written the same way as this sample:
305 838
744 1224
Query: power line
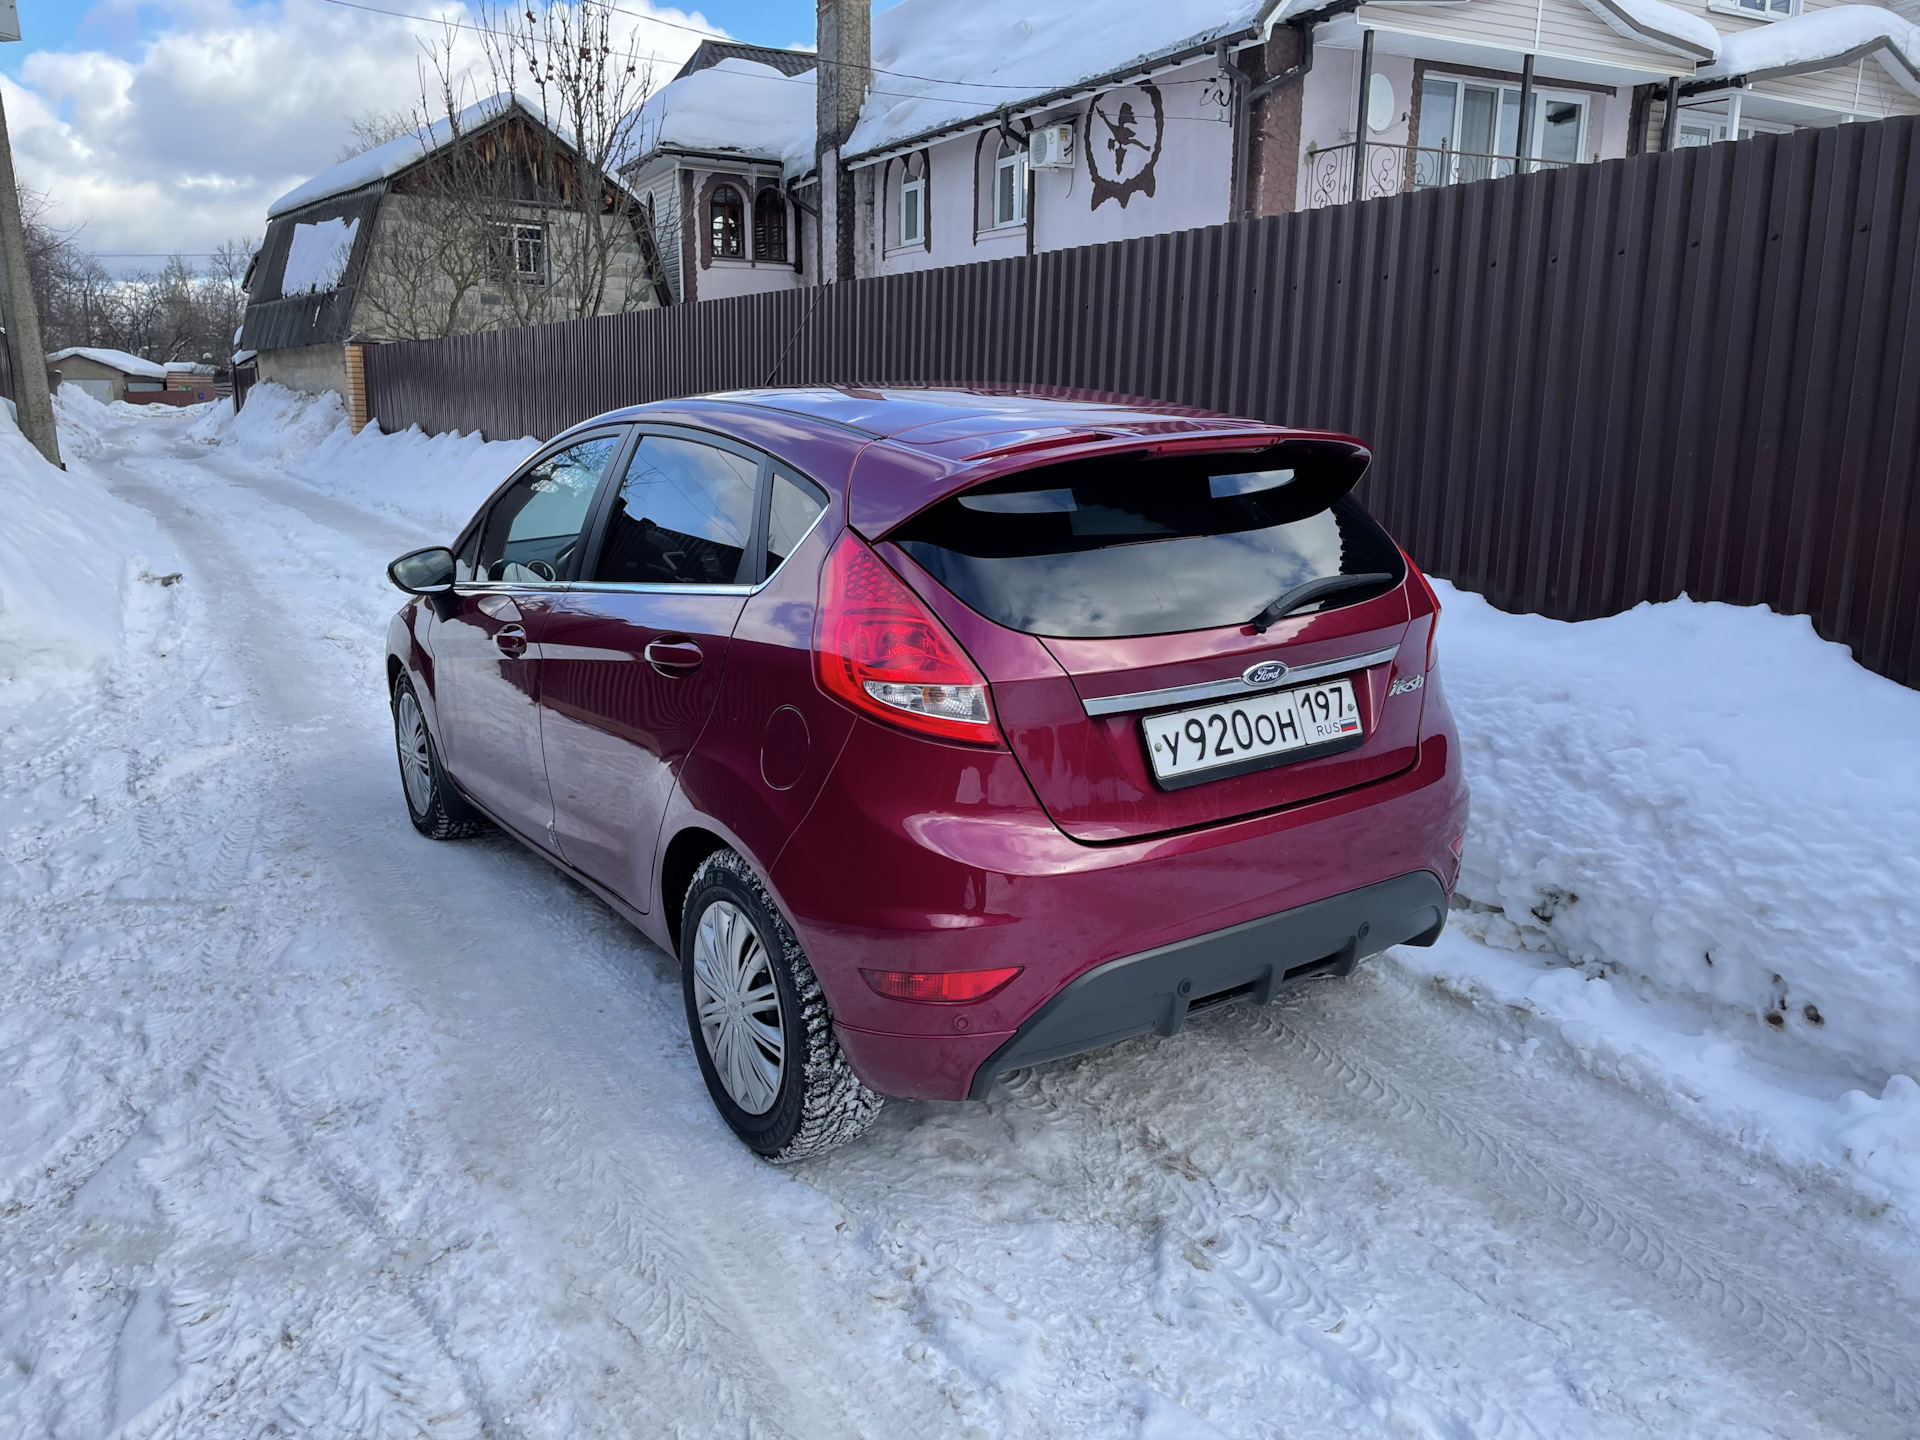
719 35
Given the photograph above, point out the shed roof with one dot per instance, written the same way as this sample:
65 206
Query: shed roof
113 359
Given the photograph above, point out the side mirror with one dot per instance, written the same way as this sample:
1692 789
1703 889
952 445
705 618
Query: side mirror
423 572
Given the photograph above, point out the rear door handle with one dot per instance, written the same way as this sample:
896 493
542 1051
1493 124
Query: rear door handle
674 657
512 639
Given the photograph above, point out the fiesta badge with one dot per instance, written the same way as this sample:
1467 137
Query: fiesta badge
1267 672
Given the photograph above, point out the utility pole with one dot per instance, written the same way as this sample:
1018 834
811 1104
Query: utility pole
31 400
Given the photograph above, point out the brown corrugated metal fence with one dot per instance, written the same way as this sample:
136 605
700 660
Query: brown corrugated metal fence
1611 383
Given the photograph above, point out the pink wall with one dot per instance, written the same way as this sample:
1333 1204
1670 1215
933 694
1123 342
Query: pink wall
1186 171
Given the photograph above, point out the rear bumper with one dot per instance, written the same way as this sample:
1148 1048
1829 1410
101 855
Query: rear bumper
905 866
1155 990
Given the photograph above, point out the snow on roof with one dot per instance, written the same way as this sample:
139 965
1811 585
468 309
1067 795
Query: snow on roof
384 161
317 256
1008 52
737 107
1820 40
113 359
1663 26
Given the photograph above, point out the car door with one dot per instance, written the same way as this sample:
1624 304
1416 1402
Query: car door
634 650
486 651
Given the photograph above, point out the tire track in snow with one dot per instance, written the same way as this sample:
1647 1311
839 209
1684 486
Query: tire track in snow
1690 1267
1281 1254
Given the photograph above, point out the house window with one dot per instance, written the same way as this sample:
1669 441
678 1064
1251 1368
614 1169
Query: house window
1773 9
913 210
520 252
769 226
727 217
1470 131
1010 186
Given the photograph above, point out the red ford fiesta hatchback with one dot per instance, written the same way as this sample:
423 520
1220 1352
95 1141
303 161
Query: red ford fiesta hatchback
941 732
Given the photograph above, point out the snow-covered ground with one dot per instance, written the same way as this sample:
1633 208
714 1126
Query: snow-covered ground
313 1127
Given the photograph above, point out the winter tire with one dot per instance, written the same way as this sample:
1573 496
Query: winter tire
759 1021
437 810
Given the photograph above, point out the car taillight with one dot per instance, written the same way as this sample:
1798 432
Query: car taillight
877 647
939 987
1432 599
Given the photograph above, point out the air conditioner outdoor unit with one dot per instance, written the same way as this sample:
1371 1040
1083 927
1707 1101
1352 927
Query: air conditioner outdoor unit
1051 147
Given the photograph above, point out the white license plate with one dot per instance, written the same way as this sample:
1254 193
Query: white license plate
1210 742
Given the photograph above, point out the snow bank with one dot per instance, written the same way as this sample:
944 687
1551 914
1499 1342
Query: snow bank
435 481
72 560
736 107
1817 38
1715 816
317 256
1709 797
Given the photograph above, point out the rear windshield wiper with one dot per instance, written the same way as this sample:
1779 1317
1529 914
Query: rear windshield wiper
1308 593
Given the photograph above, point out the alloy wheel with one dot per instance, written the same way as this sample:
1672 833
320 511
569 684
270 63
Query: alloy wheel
739 1007
416 761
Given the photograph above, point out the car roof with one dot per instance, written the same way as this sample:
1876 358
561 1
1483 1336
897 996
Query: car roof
944 437
894 411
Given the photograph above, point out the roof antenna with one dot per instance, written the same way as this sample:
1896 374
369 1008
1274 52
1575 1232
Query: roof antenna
805 319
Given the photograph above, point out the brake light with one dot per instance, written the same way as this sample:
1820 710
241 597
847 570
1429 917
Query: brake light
877 647
938 987
1432 599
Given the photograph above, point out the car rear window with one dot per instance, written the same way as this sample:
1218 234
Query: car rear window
1149 546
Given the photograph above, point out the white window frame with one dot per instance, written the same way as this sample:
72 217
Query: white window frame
1758 9
1542 94
914 189
1016 162
522 239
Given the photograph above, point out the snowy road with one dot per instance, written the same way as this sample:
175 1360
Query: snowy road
340 1132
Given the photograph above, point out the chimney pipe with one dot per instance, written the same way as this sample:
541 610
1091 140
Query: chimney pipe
843 40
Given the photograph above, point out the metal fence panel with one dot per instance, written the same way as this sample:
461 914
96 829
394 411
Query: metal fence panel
1696 372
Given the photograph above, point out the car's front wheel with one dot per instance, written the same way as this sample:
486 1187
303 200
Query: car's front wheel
437 810
759 1021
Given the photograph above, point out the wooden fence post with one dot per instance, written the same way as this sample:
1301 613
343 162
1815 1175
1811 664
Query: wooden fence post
357 415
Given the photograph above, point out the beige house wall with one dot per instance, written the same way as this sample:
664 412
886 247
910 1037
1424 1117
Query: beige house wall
78 367
409 290
312 368
1564 29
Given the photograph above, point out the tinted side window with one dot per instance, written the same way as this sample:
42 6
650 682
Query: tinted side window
796 505
535 527
682 516
469 554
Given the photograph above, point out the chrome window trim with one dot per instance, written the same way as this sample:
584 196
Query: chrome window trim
1233 685
647 587
650 587
505 587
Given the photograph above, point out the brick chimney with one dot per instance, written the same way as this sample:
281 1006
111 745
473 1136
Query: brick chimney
843 38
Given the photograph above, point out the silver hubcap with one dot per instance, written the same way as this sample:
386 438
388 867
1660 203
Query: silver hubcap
739 1007
410 733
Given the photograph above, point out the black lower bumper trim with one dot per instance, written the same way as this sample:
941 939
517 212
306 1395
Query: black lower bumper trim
1155 990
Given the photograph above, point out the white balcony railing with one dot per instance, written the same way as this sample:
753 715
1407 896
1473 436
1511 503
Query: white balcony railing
1397 169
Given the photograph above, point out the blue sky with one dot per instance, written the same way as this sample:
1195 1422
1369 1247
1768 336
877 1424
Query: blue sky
119 28
152 127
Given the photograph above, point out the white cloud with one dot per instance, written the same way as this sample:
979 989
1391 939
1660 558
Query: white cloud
183 141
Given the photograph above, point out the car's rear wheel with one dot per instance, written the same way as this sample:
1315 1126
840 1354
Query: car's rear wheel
759 1021
437 810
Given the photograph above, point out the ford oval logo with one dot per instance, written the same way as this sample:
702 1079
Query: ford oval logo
1267 672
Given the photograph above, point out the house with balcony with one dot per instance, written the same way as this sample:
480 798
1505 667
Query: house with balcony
941 135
